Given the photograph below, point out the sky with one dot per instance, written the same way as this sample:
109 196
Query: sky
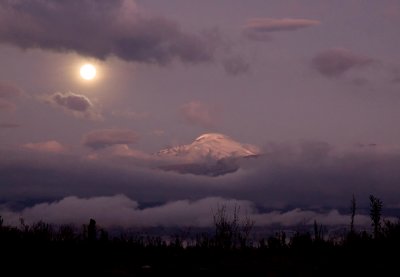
313 84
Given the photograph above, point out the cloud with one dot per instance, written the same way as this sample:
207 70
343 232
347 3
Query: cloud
130 114
9 125
50 146
335 62
99 29
121 211
6 105
104 138
259 28
236 66
310 176
8 91
200 114
75 104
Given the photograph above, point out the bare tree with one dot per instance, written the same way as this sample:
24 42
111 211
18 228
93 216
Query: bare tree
353 208
375 214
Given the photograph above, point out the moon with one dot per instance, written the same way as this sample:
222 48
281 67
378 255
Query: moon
88 71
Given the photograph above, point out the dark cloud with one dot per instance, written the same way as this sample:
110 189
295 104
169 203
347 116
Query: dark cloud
200 114
100 29
335 62
259 28
71 101
75 104
103 138
236 66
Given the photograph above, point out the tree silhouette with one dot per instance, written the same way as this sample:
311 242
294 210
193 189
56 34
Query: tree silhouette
92 230
353 208
375 214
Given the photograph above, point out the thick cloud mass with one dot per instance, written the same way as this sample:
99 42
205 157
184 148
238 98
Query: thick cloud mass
335 62
120 211
98 28
102 138
310 175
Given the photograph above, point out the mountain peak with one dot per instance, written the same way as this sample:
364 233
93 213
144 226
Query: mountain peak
211 136
210 146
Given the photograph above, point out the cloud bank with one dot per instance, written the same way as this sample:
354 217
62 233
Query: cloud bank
99 29
309 175
120 211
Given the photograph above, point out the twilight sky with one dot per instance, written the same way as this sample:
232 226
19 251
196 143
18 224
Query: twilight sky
314 84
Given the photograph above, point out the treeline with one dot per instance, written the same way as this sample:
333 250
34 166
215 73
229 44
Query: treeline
45 249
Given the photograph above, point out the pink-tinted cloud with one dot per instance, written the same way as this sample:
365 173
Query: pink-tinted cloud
107 137
259 28
50 146
7 92
335 62
6 105
200 114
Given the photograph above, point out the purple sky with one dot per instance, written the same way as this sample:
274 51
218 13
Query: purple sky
310 82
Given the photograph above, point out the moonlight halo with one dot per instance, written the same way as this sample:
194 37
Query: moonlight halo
87 71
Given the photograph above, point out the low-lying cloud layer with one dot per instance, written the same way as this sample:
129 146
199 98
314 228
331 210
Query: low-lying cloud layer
100 29
120 211
306 176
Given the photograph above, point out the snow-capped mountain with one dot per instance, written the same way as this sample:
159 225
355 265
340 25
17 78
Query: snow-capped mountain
210 154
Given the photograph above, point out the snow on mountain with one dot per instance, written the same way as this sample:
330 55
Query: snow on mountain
210 154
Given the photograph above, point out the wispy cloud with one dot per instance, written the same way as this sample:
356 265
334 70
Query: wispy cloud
98 139
259 28
50 146
335 62
199 113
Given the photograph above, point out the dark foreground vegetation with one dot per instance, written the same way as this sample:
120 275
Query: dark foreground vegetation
44 250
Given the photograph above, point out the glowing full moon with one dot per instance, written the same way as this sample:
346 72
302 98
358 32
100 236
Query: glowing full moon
88 71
